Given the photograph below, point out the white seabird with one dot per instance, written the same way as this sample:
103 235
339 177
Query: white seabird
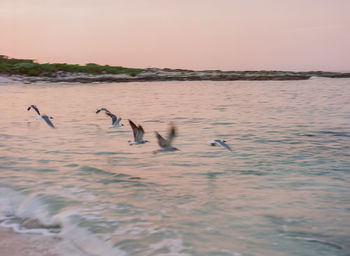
44 117
220 143
138 134
115 120
165 144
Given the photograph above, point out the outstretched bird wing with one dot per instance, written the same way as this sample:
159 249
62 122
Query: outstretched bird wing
48 121
163 143
35 108
223 144
134 128
171 134
114 117
102 109
140 133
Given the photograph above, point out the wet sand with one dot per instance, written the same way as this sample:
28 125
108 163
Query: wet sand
14 244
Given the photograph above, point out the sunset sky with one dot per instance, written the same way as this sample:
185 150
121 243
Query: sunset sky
193 34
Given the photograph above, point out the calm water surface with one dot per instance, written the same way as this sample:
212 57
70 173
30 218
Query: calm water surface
284 190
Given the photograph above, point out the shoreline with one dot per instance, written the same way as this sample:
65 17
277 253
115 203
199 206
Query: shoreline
152 75
28 71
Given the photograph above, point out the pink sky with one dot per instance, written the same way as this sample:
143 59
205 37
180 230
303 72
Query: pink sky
193 34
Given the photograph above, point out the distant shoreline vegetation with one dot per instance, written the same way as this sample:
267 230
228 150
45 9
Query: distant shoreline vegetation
29 71
31 68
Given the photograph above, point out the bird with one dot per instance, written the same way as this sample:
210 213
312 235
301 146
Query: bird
35 108
115 120
165 144
220 143
44 117
138 134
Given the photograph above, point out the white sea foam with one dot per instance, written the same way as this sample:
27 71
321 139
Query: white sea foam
174 247
25 214
18 209
8 224
88 243
9 200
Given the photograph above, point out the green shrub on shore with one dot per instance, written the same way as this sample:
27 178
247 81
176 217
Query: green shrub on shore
31 68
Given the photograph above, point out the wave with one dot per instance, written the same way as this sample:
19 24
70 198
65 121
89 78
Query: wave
40 215
80 230
26 213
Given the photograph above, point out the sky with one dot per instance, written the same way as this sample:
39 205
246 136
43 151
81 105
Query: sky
297 35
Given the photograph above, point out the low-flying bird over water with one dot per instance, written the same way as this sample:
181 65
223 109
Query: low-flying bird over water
165 144
138 134
220 143
46 118
115 120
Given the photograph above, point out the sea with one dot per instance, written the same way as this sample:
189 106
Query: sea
283 190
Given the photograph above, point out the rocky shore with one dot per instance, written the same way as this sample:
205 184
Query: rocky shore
171 75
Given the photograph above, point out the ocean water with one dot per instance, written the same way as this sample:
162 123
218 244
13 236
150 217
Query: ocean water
283 190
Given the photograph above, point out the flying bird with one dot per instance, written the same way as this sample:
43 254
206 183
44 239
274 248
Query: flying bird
165 144
138 134
220 143
115 120
44 117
